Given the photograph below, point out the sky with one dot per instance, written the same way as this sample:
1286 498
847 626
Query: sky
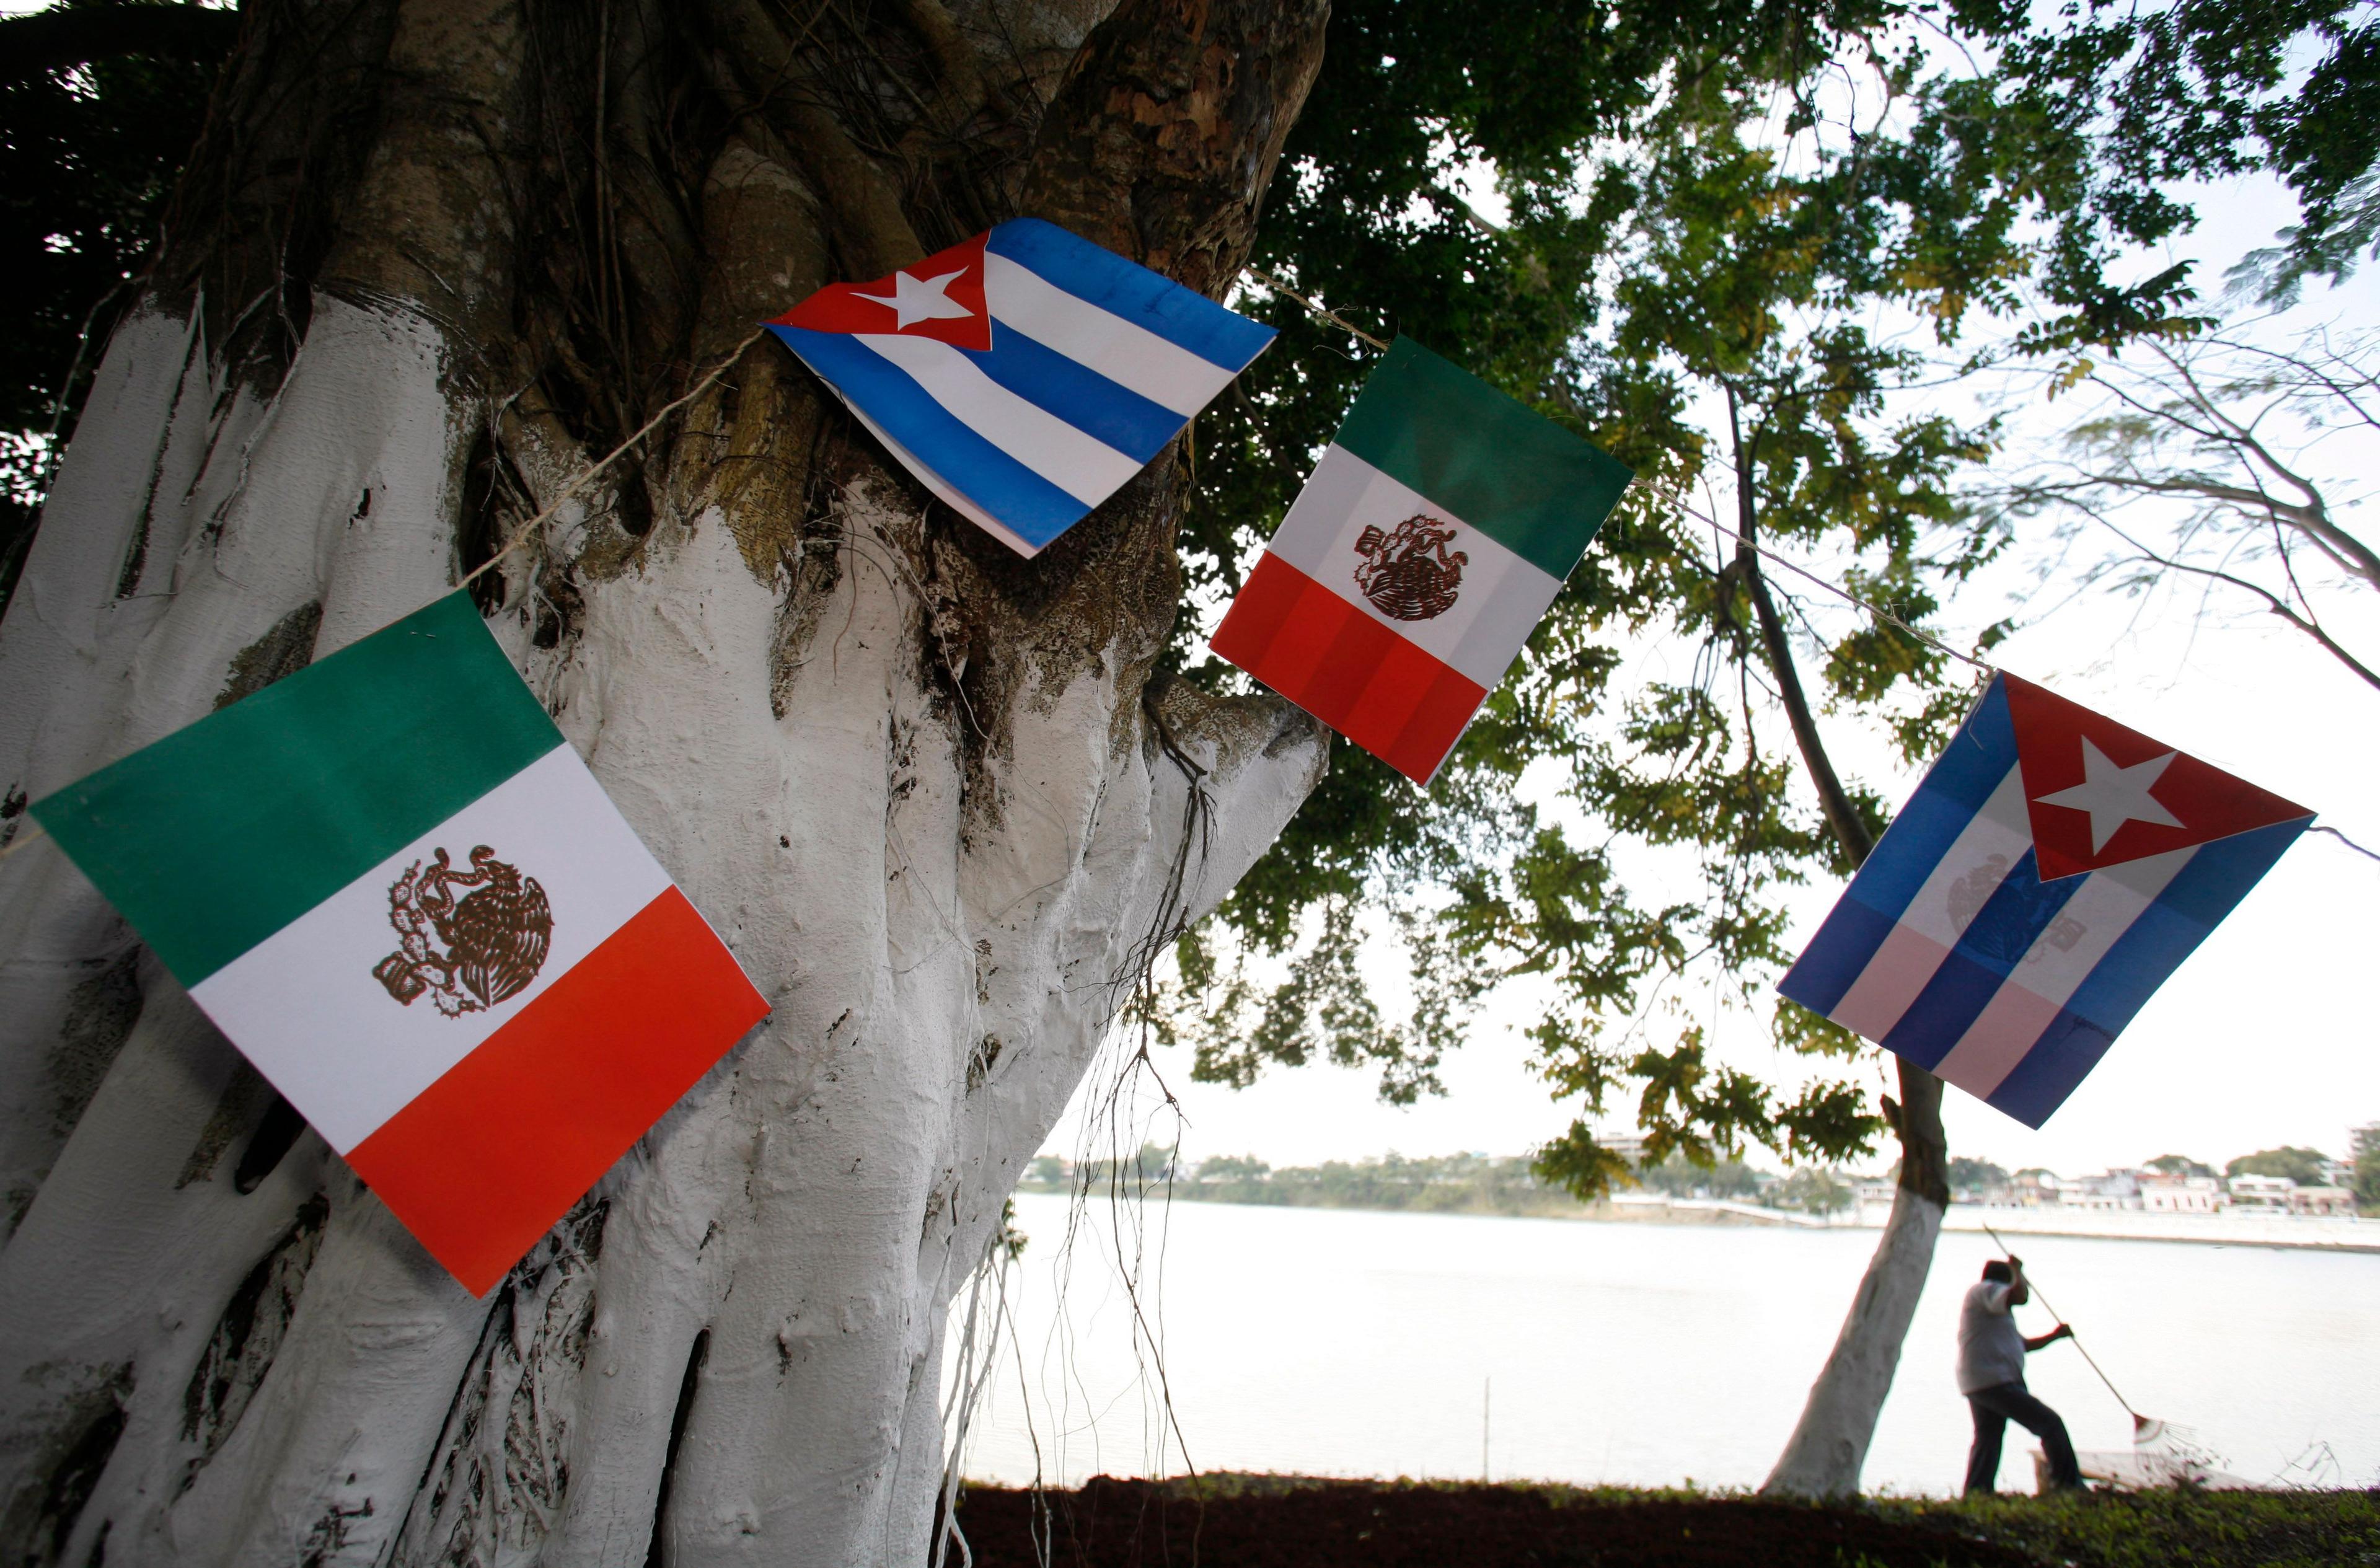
2266 1035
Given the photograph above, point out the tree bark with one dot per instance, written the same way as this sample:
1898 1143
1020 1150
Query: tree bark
433 258
1828 1447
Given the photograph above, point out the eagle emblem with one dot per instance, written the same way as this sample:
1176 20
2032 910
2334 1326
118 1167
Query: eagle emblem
2009 935
1407 571
468 952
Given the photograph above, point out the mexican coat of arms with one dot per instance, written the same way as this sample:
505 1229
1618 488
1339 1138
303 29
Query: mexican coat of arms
468 952
1408 573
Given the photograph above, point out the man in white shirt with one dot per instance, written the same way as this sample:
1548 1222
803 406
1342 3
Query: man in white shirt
1991 1374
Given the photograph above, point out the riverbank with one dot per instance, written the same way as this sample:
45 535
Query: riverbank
1290 1522
1518 1199
2339 1234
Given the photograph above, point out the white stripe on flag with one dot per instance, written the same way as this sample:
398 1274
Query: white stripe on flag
1502 595
1131 355
951 496
2101 911
1932 924
303 1003
1083 466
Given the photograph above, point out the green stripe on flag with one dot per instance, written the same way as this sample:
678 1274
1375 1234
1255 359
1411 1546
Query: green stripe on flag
1514 475
222 833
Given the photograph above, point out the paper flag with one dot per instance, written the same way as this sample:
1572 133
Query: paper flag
2052 869
1024 375
1434 534
392 883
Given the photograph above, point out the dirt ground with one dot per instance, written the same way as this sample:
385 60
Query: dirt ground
1243 1523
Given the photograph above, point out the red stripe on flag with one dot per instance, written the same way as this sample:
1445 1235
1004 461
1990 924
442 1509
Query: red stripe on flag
1346 669
483 1161
1263 603
1436 724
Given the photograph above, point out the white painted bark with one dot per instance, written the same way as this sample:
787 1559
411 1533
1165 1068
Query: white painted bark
1828 1447
943 963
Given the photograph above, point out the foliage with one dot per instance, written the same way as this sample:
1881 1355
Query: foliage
1719 262
87 158
1680 1177
1814 1190
1972 1177
2177 1165
2367 1166
1454 1183
2303 1166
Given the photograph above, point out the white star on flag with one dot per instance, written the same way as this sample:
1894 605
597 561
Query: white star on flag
2115 795
915 301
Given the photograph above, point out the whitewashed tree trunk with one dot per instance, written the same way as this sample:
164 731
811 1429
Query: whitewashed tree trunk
930 795
1828 1448
1829 1445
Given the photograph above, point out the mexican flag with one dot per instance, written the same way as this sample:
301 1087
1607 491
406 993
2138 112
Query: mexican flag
1434 534
393 885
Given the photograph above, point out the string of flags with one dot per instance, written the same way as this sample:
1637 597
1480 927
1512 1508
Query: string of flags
398 890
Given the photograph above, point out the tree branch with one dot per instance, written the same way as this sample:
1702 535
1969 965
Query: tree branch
2273 601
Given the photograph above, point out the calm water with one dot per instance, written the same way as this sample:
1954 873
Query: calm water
1341 1343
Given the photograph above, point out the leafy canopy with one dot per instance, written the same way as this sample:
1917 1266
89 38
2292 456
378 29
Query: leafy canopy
1733 241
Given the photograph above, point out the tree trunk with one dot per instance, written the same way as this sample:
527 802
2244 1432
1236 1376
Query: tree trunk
434 256
1828 1448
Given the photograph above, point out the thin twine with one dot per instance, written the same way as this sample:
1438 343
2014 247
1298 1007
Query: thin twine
33 827
24 835
520 535
1321 311
1324 313
1838 589
1687 508
2346 841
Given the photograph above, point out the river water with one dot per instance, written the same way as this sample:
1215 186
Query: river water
1334 1342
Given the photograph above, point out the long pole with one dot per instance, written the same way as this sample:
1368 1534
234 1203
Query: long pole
1487 1406
2139 1420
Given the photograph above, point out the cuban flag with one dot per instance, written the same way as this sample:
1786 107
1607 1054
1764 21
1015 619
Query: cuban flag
1024 375
2049 873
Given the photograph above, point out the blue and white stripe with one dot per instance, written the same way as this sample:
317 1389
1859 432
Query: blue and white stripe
1950 950
1096 364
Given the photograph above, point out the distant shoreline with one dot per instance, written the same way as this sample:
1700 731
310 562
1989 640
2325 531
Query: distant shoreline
2344 1236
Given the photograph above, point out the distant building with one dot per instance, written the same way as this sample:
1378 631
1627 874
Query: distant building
2109 1189
1874 1189
2323 1201
2161 1194
2033 1188
2270 1195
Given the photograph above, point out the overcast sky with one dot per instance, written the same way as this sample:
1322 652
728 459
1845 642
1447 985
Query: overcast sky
2266 1035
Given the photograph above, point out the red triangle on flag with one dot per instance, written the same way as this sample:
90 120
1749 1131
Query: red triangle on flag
2100 794
940 297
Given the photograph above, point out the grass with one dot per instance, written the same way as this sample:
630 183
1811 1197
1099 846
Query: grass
2180 1528
2177 1528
